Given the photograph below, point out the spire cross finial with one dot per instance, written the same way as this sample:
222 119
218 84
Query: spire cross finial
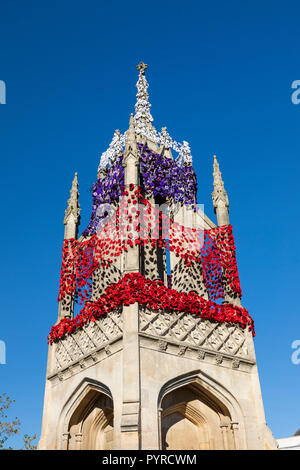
141 67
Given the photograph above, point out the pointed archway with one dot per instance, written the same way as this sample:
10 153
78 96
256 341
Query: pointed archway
194 416
87 418
91 424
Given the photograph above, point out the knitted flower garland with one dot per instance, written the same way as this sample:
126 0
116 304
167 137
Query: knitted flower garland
162 176
131 225
106 190
133 288
137 222
159 174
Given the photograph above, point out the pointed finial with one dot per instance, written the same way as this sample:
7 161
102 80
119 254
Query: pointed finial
74 190
165 138
130 132
130 135
219 196
216 166
142 67
73 206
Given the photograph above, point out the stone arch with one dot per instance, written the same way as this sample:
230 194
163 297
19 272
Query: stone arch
196 412
86 421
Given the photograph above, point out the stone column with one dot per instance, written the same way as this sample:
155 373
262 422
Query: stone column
78 440
65 440
224 429
235 430
131 177
160 410
130 420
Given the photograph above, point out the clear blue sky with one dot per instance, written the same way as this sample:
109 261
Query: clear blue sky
220 76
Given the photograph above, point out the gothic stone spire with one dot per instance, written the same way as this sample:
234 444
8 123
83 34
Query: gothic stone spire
142 106
72 212
219 196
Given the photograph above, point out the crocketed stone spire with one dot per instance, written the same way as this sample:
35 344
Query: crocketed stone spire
219 196
72 212
142 106
145 131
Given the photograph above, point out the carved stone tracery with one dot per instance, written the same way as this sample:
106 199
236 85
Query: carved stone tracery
195 331
88 339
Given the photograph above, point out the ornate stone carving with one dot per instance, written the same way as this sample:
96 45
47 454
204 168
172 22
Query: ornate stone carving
60 376
201 354
182 350
94 356
235 364
88 339
219 359
194 331
162 345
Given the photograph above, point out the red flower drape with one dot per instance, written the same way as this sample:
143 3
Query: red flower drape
134 222
133 288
